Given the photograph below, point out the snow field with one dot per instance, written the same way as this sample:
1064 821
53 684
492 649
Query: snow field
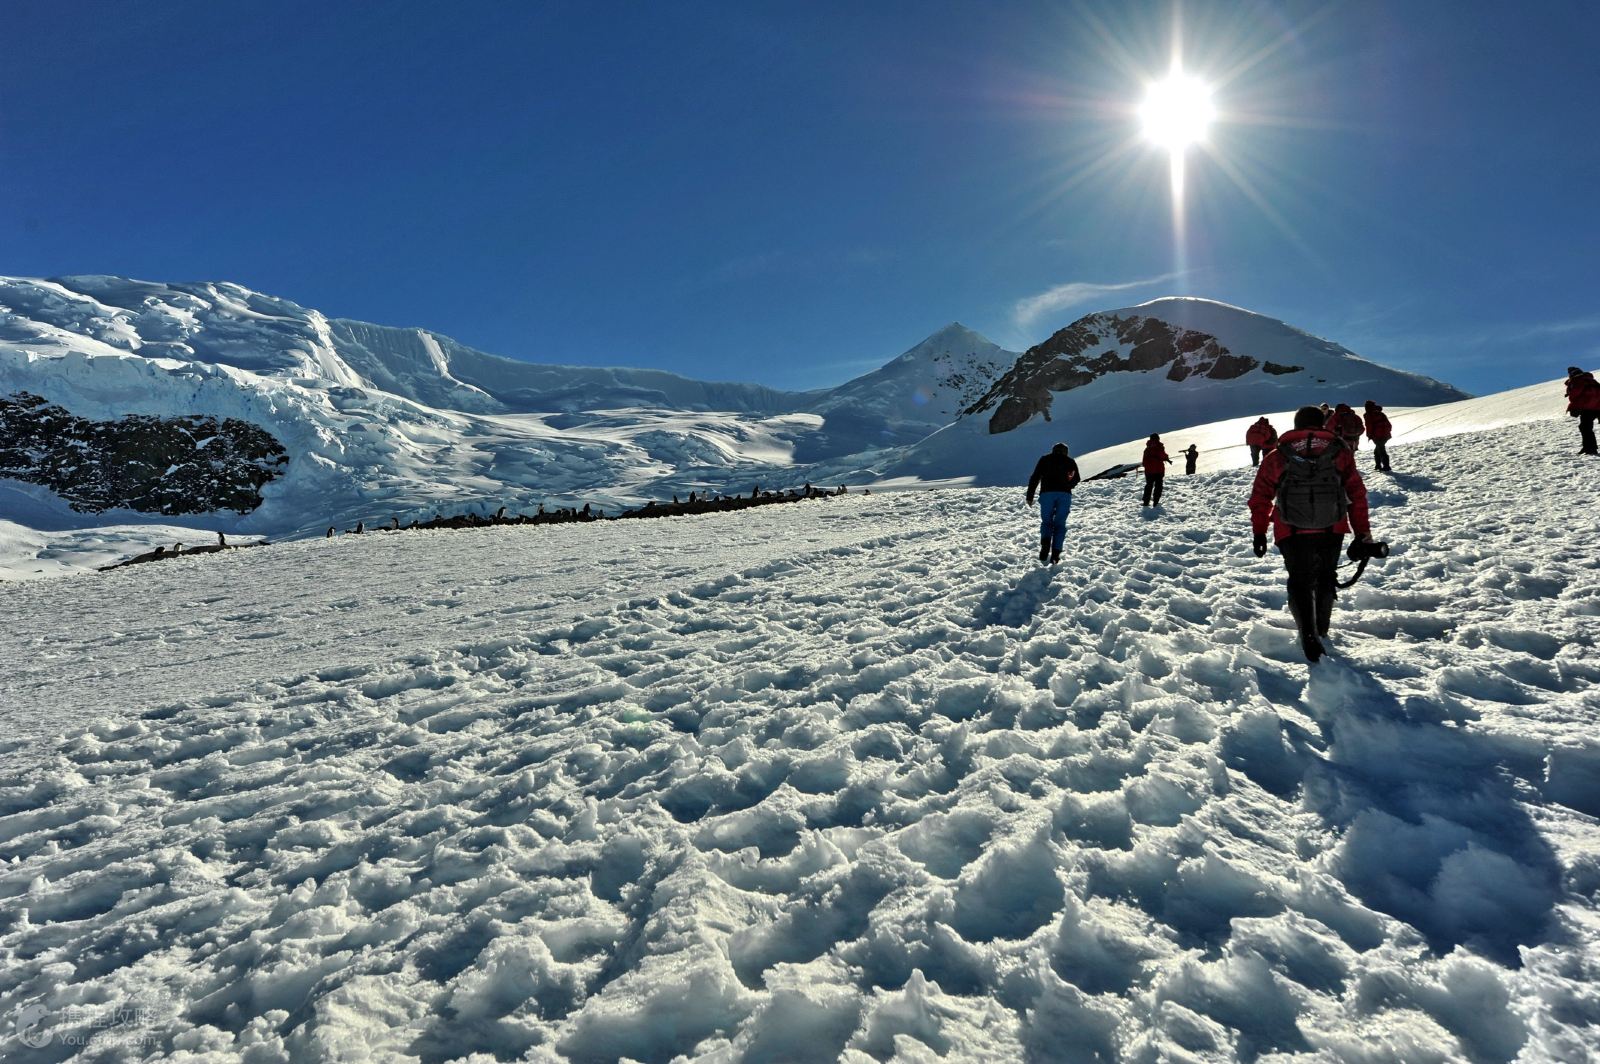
853 780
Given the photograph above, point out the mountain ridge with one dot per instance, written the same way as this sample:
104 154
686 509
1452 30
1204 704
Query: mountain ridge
385 421
1160 365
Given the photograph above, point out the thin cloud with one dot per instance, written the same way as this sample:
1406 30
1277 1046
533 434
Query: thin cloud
1561 328
1074 294
1485 343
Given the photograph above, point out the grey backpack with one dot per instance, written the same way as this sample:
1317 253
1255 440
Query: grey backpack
1311 491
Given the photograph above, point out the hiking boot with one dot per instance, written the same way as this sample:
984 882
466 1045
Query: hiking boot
1044 549
1312 646
1055 556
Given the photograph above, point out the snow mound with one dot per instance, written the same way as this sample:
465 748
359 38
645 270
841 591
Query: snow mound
811 783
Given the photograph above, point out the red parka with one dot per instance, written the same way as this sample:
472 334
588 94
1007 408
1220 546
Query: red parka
1345 422
1264 494
1583 394
1261 434
1378 427
1155 457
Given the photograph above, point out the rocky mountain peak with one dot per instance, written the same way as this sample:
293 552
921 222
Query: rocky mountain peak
1098 344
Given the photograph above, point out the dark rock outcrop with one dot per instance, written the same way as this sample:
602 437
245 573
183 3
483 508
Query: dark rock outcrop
1275 369
168 465
1089 349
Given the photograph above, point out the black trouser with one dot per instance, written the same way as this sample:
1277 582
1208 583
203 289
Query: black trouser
1380 454
1586 430
1188 466
1312 559
1255 454
1152 487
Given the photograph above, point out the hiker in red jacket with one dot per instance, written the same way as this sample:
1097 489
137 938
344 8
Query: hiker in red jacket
1155 470
1378 431
1260 436
1346 424
1583 403
1310 492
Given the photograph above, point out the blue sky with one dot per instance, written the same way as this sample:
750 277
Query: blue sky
794 193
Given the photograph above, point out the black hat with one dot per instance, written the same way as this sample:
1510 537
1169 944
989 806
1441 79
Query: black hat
1061 447
1308 417
1573 371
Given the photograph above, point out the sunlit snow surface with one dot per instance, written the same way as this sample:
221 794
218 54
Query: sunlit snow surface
846 779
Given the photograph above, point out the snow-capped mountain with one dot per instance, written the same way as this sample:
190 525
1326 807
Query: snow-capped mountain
379 422
921 391
1162 365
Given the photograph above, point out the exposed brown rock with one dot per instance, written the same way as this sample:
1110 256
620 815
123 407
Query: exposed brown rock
1087 350
169 465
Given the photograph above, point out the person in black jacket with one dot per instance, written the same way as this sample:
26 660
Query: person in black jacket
1054 477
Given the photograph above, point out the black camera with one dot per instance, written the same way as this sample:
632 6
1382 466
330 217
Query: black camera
1360 550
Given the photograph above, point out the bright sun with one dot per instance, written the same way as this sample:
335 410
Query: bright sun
1176 111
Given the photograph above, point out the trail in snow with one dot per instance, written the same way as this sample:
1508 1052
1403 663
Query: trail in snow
839 781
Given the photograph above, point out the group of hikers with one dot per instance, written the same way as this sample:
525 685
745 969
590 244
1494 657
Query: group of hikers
1307 492
1261 438
1340 420
697 503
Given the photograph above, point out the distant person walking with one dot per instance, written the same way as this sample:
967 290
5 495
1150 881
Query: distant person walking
1310 492
1054 477
1260 437
1190 457
1155 470
1583 403
1379 431
1346 424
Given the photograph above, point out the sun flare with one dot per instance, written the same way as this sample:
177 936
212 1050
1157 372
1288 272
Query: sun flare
1177 111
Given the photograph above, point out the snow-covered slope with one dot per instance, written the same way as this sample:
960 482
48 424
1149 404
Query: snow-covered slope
846 780
1164 364
1222 443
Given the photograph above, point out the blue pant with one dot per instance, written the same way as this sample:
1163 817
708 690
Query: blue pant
1054 506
